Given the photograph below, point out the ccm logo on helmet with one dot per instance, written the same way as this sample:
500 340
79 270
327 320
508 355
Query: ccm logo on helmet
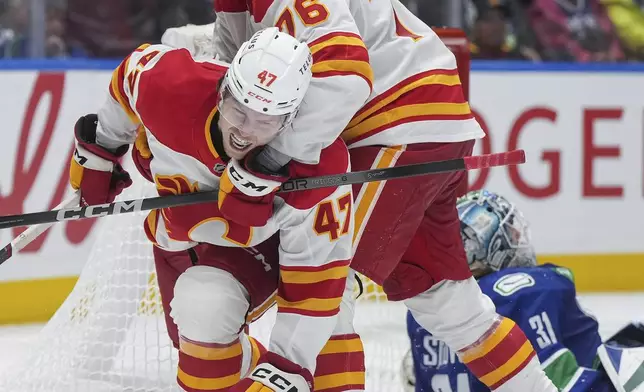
259 97
275 380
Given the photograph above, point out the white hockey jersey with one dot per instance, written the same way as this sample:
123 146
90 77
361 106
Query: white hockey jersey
171 97
381 76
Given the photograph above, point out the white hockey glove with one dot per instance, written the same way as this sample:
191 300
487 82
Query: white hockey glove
198 39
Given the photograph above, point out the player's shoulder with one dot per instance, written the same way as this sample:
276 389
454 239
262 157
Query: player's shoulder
175 94
516 284
334 159
173 73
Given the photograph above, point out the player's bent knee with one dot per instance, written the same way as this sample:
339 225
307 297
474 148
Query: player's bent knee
209 305
456 312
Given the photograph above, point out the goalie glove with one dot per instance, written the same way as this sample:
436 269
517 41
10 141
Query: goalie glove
94 170
247 191
269 376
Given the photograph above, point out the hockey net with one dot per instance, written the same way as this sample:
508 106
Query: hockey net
110 334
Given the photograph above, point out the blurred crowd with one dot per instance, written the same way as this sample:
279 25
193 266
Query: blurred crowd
537 30
91 28
545 30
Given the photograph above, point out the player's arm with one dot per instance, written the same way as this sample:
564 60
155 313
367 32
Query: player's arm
230 28
119 117
342 75
220 39
103 138
315 249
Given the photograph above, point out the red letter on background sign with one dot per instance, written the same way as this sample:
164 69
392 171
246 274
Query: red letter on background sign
554 157
47 86
592 151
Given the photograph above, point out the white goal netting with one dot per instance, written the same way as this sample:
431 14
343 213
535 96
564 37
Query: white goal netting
110 335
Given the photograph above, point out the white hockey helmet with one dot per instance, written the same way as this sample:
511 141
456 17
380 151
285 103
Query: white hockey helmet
270 73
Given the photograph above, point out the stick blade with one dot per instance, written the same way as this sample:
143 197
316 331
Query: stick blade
514 157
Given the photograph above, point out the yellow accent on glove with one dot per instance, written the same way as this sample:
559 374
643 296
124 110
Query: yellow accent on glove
75 174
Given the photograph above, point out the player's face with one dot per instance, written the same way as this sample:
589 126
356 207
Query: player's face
244 129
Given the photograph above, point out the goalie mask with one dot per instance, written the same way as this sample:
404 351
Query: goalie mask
262 90
495 233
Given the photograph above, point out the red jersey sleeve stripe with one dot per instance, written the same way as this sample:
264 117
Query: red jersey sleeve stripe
439 77
339 38
328 36
406 114
341 54
331 68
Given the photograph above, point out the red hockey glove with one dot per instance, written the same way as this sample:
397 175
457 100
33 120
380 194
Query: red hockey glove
95 170
142 156
246 193
276 373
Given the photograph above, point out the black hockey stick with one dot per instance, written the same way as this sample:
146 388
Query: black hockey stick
120 207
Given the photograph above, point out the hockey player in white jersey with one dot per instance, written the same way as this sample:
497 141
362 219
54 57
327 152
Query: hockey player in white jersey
195 125
385 82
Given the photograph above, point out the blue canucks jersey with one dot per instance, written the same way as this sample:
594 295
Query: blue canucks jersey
542 301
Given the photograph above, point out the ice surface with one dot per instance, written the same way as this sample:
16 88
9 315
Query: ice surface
386 343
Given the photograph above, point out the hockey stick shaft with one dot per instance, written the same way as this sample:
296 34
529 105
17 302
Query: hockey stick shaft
33 232
468 163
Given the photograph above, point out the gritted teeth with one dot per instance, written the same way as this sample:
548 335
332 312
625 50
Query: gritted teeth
238 143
